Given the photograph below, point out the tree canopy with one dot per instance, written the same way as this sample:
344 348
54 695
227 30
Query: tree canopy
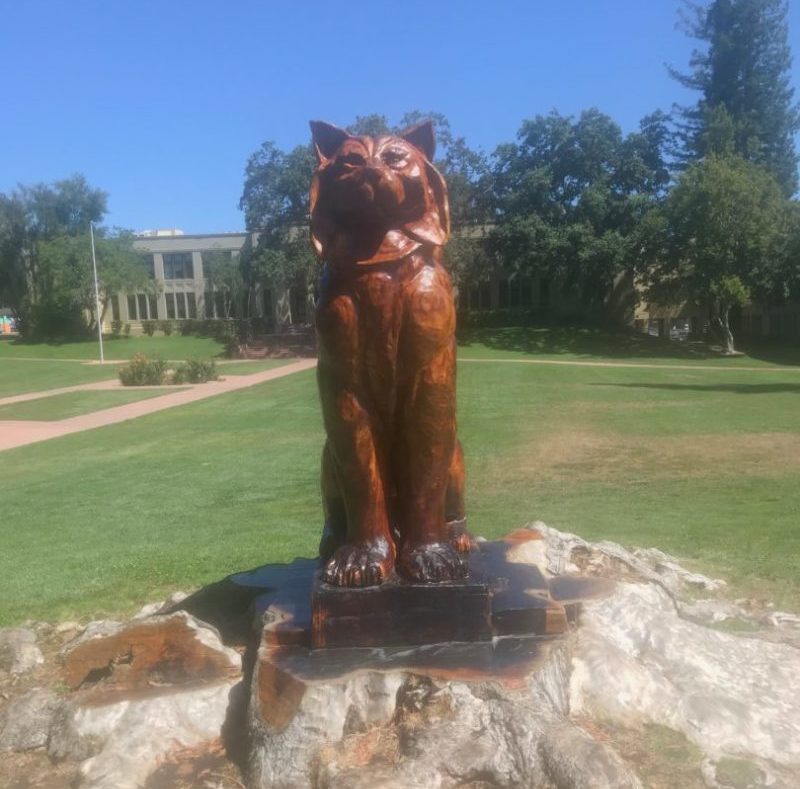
570 194
45 257
720 238
742 73
275 198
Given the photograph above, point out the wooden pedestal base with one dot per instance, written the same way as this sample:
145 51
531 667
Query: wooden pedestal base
498 598
397 613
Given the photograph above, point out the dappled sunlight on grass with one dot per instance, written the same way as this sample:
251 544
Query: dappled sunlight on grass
597 343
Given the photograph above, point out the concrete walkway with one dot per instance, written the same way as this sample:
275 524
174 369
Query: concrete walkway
19 433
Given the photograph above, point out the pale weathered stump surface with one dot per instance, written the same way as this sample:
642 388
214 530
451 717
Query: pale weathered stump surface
518 711
590 707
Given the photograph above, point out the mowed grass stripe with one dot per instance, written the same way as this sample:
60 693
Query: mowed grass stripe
98 521
596 344
64 406
174 346
21 377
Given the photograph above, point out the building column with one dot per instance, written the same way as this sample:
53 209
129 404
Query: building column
198 286
158 270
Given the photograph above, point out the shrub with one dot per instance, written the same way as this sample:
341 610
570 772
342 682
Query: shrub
225 330
501 317
116 328
167 327
195 371
191 326
141 371
149 327
127 330
60 320
207 327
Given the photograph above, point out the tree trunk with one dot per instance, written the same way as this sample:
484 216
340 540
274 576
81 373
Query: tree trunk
723 327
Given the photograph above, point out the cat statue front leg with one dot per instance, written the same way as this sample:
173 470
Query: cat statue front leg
368 554
427 432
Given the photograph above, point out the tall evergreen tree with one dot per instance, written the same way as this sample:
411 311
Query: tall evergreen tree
742 72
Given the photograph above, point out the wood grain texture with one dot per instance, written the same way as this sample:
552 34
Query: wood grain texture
392 468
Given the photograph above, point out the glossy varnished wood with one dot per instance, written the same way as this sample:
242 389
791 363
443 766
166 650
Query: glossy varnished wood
392 468
399 613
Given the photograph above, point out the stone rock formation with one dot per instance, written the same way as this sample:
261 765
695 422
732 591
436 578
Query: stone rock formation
652 654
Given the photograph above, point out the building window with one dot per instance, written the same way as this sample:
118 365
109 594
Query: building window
480 296
170 298
140 307
191 305
180 298
297 301
544 293
520 292
219 303
208 301
486 295
216 255
178 265
149 264
115 307
502 294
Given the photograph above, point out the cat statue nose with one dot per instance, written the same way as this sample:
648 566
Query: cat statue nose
387 186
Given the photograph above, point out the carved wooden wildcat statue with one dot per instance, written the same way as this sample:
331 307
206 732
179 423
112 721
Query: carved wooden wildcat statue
392 467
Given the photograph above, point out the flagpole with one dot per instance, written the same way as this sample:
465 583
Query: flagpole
97 296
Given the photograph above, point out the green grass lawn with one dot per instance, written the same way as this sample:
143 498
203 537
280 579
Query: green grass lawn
701 463
64 406
19 376
598 344
247 368
173 347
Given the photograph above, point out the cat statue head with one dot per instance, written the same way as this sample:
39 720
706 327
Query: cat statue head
376 199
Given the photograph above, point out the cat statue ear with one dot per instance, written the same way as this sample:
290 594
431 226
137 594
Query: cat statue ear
434 226
421 136
327 139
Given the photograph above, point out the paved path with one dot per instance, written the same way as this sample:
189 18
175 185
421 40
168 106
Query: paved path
19 433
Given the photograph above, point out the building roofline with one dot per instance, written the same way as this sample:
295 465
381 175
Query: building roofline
194 235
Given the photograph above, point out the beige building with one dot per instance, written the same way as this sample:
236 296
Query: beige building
177 265
184 292
753 320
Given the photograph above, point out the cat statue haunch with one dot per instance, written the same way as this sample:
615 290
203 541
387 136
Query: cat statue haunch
392 467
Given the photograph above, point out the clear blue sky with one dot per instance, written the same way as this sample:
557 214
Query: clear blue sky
161 102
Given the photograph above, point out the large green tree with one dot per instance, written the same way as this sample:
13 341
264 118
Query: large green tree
742 72
13 261
45 257
275 204
720 239
569 196
65 279
275 200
